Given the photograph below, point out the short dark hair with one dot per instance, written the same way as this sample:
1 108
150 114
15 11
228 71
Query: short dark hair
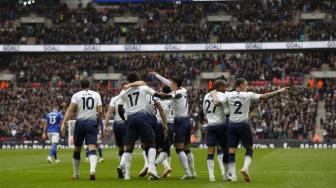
132 77
239 81
85 83
166 89
178 80
219 83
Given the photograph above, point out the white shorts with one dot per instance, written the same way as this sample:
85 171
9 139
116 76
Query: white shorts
54 137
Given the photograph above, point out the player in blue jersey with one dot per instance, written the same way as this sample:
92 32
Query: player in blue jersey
52 122
88 105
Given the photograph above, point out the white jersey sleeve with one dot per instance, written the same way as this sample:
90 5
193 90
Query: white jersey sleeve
180 106
87 102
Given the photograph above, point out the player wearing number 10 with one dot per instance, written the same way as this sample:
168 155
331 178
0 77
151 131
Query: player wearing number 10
88 105
239 102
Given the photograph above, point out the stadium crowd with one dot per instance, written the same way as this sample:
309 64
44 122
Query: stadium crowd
170 23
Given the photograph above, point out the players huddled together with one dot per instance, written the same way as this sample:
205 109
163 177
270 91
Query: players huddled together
159 120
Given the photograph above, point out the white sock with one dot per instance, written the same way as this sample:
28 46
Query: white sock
151 158
165 164
226 168
220 163
247 162
93 163
145 157
184 162
232 169
211 167
128 160
162 156
122 161
191 162
75 164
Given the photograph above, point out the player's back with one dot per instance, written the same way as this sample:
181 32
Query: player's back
180 106
239 105
135 99
168 110
87 102
214 114
54 120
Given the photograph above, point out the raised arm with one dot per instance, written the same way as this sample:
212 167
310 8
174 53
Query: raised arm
167 96
162 79
215 98
271 94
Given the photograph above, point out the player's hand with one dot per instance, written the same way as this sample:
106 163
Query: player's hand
62 130
44 136
177 96
282 90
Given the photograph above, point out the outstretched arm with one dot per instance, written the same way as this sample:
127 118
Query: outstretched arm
162 79
134 84
271 94
167 96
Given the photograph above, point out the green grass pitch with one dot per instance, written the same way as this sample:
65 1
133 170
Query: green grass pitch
285 168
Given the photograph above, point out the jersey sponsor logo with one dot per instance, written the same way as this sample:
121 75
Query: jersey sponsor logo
331 44
11 48
172 47
253 46
91 48
132 47
51 48
294 45
213 46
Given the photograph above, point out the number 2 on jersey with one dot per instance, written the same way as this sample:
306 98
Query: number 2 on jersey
136 94
239 105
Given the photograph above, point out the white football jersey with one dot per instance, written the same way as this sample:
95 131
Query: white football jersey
87 102
168 110
150 105
135 99
115 102
239 104
180 106
215 114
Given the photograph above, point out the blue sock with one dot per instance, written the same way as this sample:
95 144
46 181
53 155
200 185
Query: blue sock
87 152
55 150
211 156
52 152
100 152
231 158
249 152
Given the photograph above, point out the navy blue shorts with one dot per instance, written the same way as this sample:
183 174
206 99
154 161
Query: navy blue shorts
239 132
88 133
138 125
152 119
216 135
159 137
182 130
119 129
171 133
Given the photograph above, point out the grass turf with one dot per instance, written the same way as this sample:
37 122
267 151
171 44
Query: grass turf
291 168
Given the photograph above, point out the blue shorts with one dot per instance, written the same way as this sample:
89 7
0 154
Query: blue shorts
138 125
216 135
89 133
152 119
239 132
159 137
119 129
171 133
182 130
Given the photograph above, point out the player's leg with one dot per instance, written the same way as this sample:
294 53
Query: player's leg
78 142
120 137
179 141
211 142
91 136
220 159
223 151
248 144
233 141
51 151
143 171
163 150
86 153
187 150
148 140
100 153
